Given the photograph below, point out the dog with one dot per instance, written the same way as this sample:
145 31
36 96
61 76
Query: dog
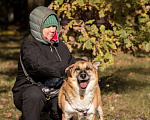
79 96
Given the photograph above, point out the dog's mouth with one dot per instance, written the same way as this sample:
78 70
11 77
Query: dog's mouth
83 79
83 83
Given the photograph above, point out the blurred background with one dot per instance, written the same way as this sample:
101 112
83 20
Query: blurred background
116 32
16 12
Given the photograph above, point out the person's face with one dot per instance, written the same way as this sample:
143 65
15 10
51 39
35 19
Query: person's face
49 32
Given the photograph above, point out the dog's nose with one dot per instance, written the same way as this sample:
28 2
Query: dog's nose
83 75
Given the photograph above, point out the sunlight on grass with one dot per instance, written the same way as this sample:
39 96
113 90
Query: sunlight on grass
126 93
9 51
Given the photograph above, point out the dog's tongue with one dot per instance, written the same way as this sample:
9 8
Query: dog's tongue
83 84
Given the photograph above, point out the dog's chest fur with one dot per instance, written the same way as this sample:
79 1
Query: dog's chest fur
82 103
79 106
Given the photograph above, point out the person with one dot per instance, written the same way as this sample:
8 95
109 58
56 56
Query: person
45 58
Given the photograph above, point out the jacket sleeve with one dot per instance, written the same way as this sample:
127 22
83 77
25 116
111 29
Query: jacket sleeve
37 64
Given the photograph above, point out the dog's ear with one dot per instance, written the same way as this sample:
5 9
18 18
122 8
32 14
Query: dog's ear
96 64
68 70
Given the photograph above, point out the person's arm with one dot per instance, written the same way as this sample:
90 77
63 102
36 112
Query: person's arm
37 64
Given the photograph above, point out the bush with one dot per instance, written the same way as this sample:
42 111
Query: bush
105 26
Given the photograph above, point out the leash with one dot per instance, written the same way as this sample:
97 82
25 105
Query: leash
79 110
26 74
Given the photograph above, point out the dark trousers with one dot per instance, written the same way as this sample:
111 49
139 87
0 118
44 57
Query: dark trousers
31 102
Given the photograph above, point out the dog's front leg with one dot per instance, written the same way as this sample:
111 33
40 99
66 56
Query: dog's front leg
100 112
66 116
63 116
91 117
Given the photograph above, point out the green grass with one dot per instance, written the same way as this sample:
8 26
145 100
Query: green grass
126 90
125 85
9 51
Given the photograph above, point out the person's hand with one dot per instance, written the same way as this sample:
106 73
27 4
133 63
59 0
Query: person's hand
68 68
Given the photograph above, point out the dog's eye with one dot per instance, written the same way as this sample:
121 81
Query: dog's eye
88 68
78 68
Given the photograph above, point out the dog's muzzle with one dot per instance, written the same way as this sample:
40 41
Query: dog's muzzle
83 79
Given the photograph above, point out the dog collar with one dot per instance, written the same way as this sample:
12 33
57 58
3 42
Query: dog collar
79 110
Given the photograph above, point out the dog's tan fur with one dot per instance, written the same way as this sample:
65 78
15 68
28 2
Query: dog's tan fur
88 99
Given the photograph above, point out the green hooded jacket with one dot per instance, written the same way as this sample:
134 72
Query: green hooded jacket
36 21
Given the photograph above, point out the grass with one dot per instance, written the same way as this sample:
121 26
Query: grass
9 51
126 90
125 85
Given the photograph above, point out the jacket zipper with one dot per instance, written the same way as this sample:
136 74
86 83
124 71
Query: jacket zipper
57 56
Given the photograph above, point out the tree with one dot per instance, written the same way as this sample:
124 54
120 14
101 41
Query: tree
105 26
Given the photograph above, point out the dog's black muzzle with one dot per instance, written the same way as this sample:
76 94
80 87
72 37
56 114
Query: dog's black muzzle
83 76
83 79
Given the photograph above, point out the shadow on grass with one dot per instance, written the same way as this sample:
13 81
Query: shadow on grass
119 85
137 70
4 89
10 73
9 56
122 83
141 54
9 48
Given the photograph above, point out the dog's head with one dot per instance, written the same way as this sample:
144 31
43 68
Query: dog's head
83 73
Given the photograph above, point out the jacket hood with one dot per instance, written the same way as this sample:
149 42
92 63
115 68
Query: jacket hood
36 21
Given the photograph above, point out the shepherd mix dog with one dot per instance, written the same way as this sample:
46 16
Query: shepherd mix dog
80 96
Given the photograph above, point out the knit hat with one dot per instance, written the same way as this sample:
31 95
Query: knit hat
50 20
